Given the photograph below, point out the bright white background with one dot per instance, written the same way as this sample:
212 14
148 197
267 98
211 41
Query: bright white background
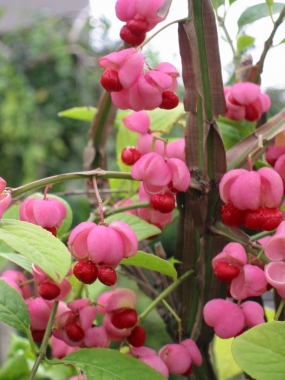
166 42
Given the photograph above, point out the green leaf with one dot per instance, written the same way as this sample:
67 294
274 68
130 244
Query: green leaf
3 262
12 212
15 368
233 131
106 364
174 261
232 1
260 352
142 229
20 260
257 12
217 3
244 42
13 310
224 363
151 262
38 246
165 119
79 113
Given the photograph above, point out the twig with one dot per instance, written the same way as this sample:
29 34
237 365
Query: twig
43 348
268 45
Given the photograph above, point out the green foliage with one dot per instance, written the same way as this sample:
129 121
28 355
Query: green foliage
256 12
20 360
38 246
79 113
17 259
102 364
142 229
234 131
42 75
151 262
244 42
13 309
165 120
262 344
217 3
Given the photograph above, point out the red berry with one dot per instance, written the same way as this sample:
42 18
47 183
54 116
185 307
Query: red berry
162 202
169 100
232 216
266 219
232 100
130 155
138 26
188 372
107 276
86 272
171 188
124 319
137 337
110 81
251 113
226 272
74 332
38 335
51 230
131 38
48 291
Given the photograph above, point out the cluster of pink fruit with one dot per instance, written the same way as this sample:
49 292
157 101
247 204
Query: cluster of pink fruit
252 198
94 260
174 358
140 17
100 260
245 280
245 101
163 171
48 213
74 328
120 322
133 85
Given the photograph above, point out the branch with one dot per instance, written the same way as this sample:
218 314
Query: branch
67 177
267 45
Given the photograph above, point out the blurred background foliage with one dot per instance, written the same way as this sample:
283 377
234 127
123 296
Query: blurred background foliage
42 73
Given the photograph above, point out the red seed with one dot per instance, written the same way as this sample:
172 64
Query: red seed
162 202
124 319
74 332
86 272
110 81
169 100
107 275
130 155
226 272
48 291
137 337
131 38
